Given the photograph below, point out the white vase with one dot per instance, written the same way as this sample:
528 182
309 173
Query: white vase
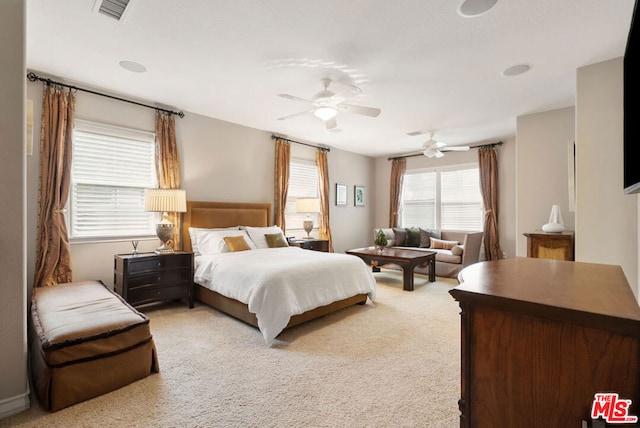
556 224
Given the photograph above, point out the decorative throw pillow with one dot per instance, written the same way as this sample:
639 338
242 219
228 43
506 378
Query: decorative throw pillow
256 234
439 244
401 236
413 237
236 243
275 240
457 250
425 238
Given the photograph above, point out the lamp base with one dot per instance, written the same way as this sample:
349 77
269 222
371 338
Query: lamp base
165 233
163 249
308 227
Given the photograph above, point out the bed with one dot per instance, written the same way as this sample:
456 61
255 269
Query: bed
269 288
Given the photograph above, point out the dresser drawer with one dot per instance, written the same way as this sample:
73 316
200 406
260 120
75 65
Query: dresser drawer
158 262
155 292
160 277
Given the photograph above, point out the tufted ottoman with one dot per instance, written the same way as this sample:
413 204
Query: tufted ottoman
86 341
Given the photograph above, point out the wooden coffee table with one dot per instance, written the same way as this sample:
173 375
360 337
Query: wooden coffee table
406 259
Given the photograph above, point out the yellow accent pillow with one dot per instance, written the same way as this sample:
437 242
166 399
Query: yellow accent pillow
275 240
439 244
236 243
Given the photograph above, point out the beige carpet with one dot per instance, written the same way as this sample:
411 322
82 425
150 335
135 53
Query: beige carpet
393 363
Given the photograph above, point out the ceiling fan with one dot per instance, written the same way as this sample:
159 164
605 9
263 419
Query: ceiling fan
435 149
326 104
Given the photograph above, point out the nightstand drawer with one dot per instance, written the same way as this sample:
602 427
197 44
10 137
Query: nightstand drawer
160 277
155 292
159 262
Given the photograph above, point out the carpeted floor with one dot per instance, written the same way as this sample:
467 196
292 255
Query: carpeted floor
391 363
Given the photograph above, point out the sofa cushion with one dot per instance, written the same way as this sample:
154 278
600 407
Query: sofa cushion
413 237
447 257
457 250
441 244
400 235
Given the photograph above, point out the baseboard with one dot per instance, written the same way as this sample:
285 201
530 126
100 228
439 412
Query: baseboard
14 405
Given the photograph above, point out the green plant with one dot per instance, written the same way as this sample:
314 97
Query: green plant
381 239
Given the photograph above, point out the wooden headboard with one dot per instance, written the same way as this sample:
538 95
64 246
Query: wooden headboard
223 214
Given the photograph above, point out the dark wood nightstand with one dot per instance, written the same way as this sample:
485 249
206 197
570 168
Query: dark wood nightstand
312 244
149 277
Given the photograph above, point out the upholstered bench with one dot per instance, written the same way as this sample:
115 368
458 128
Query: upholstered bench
87 341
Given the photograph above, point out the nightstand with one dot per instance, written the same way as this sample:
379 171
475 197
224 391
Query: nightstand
150 277
312 244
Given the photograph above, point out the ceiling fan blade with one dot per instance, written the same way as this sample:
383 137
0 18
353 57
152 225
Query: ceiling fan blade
455 148
294 98
331 123
365 111
295 114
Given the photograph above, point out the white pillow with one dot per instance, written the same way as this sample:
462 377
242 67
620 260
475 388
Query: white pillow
197 232
213 242
257 234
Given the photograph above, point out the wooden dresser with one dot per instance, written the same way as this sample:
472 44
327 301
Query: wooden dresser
151 277
540 337
546 245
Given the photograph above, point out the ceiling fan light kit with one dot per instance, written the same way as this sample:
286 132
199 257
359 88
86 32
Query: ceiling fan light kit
325 113
326 104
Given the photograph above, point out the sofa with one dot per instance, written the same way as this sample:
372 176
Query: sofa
454 249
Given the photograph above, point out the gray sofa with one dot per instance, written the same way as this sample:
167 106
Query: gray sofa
449 262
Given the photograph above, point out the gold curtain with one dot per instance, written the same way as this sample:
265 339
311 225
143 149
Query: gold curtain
398 167
281 182
168 166
488 163
53 258
324 229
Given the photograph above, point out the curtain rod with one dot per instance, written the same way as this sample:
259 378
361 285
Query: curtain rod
33 77
480 146
324 149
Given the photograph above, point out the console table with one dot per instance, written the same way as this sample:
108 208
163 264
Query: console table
540 337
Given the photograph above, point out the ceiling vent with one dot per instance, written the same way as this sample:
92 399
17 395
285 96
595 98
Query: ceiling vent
113 8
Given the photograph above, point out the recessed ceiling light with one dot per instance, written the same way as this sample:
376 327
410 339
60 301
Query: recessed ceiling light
516 70
472 8
133 66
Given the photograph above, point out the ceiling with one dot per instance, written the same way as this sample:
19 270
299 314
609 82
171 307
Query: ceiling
422 63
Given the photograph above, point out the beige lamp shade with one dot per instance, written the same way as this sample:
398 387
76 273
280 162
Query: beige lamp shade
308 205
165 200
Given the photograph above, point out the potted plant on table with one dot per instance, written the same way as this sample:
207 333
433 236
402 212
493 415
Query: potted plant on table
381 241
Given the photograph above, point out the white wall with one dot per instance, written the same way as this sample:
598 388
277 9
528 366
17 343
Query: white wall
220 161
506 179
542 170
14 388
606 218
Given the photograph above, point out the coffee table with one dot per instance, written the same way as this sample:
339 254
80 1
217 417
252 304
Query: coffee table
405 258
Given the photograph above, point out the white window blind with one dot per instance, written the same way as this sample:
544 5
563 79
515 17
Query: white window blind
111 167
303 183
442 199
461 202
418 207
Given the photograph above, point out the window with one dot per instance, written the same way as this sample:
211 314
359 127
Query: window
442 199
303 183
111 167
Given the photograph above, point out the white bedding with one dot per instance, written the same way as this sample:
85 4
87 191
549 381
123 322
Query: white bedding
277 283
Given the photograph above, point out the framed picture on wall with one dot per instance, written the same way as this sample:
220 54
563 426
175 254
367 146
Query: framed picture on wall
358 196
341 195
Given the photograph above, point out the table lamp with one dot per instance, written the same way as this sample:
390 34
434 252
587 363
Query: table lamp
308 206
165 201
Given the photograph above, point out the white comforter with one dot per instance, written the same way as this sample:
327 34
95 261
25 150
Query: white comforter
277 283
